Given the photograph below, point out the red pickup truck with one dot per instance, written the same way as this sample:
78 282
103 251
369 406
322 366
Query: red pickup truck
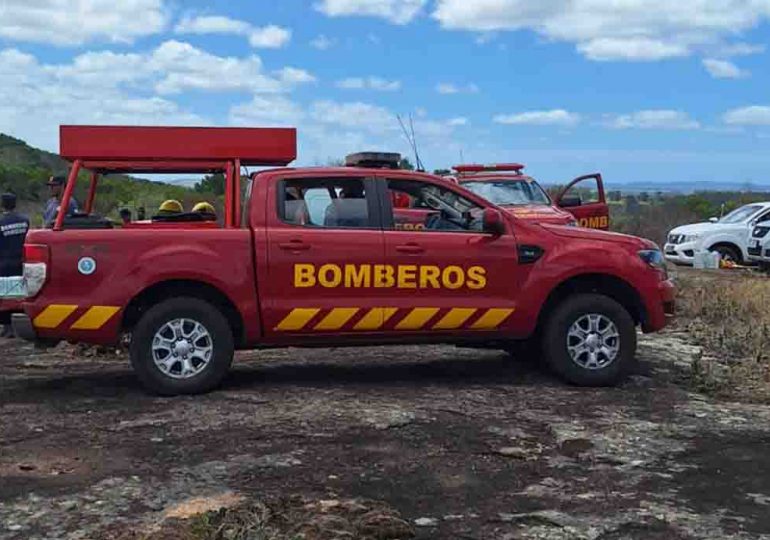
315 257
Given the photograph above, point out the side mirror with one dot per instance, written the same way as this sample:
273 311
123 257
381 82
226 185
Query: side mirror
570 202
713 219
493 222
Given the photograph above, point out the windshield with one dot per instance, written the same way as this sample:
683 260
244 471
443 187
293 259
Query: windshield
741 214
509 192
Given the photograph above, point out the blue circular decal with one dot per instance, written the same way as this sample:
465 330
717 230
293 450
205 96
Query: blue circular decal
86 266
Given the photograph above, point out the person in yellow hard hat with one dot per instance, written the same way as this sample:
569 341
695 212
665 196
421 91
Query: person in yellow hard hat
170 207
204 208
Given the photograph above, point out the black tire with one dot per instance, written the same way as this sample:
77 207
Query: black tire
193 309
555 339
729 253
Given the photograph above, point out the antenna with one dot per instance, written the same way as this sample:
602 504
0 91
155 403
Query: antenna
410 137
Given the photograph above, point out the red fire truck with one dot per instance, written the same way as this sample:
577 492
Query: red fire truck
582 202
315 257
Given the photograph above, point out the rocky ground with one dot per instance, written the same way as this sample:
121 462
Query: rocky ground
398 442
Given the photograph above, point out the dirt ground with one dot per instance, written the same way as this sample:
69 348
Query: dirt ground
457 443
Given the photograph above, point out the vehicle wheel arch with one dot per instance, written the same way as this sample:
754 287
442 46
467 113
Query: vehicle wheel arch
608 285
171 288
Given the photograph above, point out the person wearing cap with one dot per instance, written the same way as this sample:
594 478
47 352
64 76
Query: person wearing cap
56 186
13 231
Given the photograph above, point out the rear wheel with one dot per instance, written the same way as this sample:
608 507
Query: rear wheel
590 340
182 346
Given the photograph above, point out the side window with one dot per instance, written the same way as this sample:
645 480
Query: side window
765 218
422 206
325 202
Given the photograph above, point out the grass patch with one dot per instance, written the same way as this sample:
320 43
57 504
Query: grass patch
290 518
729 315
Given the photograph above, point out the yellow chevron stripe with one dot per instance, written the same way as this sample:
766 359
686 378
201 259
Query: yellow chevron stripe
53 316
416 318
492 319
95 318
336 319
454 319
375 318
296 319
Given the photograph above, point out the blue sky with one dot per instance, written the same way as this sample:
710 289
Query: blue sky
641 90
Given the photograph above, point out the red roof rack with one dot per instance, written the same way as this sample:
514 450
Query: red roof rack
496 167
175 149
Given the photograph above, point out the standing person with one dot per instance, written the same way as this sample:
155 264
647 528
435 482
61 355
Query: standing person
13 231
56 187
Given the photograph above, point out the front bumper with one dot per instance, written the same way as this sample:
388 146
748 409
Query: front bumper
661 307
680 253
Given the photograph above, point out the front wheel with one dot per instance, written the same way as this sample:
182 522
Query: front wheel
182 346
590 340
729 253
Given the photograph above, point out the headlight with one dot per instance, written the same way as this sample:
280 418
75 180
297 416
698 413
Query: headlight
655 259
691 237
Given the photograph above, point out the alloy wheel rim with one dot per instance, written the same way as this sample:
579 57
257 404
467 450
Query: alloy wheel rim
182 348
593 341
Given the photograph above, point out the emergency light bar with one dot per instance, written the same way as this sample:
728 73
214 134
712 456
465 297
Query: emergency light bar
373 160
496 167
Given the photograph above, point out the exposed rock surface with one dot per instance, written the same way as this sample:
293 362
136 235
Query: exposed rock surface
461 443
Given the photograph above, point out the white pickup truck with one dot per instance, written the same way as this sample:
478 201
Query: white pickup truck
729 236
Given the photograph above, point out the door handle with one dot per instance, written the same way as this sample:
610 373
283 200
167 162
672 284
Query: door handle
294 245
410 248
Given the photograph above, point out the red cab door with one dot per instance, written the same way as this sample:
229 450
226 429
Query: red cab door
448 276
322 236
584 198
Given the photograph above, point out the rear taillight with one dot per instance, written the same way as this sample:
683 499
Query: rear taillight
36 260
36 253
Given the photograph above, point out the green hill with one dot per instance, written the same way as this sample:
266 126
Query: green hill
24 170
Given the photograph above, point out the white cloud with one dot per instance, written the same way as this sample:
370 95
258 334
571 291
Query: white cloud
372 83
395 11
755 115
270 37
36 98
322 43
739 49
554 117
266 37
661 119
723 69
292 76
184 67
449 89
458 121
211 24
360 115
267 111
632 49
61 22
641 30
